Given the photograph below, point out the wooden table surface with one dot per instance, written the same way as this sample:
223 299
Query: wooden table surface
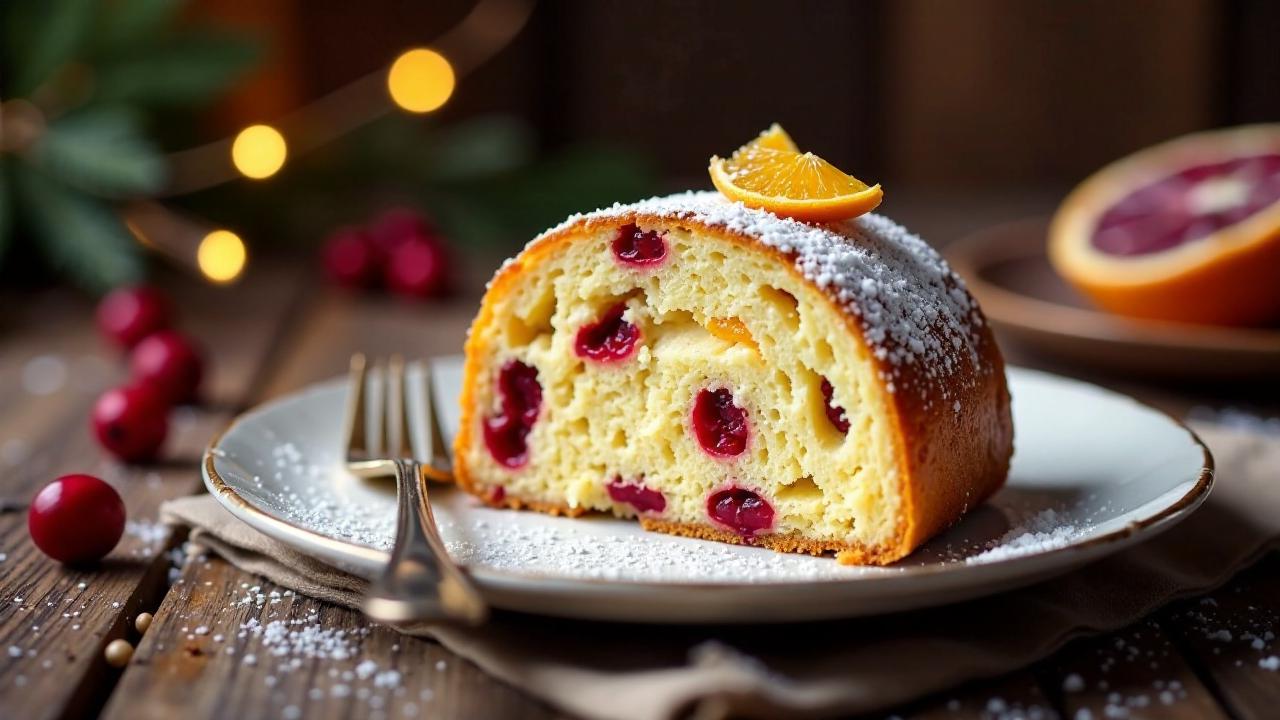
274 333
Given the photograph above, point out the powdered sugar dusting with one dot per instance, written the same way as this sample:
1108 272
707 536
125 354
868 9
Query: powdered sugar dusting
1044 531
914 310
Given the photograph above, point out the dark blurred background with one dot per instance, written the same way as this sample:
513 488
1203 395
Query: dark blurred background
968 112
960 95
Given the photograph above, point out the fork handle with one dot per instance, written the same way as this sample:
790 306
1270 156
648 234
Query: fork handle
420 583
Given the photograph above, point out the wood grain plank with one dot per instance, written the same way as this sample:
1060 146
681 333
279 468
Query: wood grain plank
1136 672
206 656
1231 637
55 620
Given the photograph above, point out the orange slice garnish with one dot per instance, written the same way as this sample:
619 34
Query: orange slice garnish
775 138
769 173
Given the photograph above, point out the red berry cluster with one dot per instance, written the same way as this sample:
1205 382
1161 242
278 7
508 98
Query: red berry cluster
166 366
399 249
79 518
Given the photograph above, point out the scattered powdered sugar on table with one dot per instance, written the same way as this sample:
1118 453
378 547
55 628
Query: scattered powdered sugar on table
1101 676
914 310
301 638
1044 531
1236 419
1232 626
149 533
294 648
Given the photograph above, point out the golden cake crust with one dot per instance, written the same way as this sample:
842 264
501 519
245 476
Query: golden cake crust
954 432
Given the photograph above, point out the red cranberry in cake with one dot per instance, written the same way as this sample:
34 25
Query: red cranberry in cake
635 494
506 434
719 424
741 510
639 248
508 440
835 413
521 392
609 339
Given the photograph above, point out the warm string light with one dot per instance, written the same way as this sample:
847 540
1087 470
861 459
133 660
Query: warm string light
421 80
259 151
490 26
221 256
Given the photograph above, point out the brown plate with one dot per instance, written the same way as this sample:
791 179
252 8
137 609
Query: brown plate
1032 307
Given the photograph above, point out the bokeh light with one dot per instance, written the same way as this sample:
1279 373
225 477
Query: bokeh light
221 256
420 80
259 151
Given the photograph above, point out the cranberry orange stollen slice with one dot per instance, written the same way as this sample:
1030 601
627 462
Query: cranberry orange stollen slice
1186 231
721 372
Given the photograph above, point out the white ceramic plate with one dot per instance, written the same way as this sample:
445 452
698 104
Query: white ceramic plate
1094 472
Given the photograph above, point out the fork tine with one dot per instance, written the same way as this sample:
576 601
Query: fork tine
357 448
437 466
397 426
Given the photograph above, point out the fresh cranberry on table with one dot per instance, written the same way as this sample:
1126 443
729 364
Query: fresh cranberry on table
76 519
171 363
127 315
418 267
397 225
131 422
351 259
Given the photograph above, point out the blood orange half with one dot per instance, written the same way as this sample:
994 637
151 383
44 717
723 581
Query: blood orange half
1186 231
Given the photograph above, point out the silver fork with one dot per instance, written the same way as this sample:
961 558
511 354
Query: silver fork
420 582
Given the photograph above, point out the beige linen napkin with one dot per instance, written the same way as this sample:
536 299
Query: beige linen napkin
633 672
